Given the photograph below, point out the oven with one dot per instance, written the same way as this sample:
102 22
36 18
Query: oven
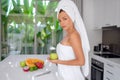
97 69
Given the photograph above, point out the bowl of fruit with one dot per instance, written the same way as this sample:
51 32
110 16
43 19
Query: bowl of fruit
31 64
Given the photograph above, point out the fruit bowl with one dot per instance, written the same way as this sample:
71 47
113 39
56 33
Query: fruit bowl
31 64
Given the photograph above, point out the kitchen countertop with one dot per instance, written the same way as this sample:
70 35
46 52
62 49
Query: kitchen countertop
102 59
10 69
115 61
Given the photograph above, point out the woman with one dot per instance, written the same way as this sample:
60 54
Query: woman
73 49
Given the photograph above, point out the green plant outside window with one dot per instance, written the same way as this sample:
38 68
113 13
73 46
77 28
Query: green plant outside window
29 26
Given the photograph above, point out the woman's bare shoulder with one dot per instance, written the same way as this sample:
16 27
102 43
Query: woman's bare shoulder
75 35
75 38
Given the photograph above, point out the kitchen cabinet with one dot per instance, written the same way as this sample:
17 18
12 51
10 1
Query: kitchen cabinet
98 13
111 67
106 13
111 71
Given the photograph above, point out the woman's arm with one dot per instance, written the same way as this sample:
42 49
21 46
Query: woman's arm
76 44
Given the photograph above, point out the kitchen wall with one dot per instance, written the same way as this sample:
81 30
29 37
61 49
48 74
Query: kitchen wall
87 12
79 5
111 37
94 35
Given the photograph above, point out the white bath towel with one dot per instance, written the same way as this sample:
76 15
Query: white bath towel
71 9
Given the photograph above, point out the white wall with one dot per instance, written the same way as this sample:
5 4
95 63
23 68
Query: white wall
79 4
95 36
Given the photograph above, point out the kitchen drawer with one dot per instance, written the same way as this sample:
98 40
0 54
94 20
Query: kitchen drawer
109 78
109 75
109 66
117 72
117 69
111 71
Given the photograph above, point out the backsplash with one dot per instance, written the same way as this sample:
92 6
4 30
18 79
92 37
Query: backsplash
111 37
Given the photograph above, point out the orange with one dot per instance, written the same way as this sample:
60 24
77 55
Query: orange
31 61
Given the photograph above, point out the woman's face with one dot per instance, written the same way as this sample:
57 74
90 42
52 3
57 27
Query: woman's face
64 20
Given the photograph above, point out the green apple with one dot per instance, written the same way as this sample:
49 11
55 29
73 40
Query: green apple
22 64
33 68
53 56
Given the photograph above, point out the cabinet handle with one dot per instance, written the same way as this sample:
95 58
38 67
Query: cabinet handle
110 65
110 72
107 78
97 68
107 24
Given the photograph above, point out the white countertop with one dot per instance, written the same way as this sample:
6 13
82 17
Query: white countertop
113 60
11 70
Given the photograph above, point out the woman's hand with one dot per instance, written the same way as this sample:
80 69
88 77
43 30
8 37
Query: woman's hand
53 61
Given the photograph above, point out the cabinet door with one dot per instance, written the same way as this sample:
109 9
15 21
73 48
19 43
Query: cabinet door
111 71
108 76
106 13
98 6
117 72
111 12
118 12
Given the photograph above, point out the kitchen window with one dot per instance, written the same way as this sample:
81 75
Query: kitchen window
28 27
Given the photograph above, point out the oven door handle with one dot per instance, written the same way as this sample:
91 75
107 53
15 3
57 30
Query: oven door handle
97 68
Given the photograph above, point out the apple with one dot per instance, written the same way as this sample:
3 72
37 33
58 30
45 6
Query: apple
53 56
26 69
22 64
39 65
34 68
